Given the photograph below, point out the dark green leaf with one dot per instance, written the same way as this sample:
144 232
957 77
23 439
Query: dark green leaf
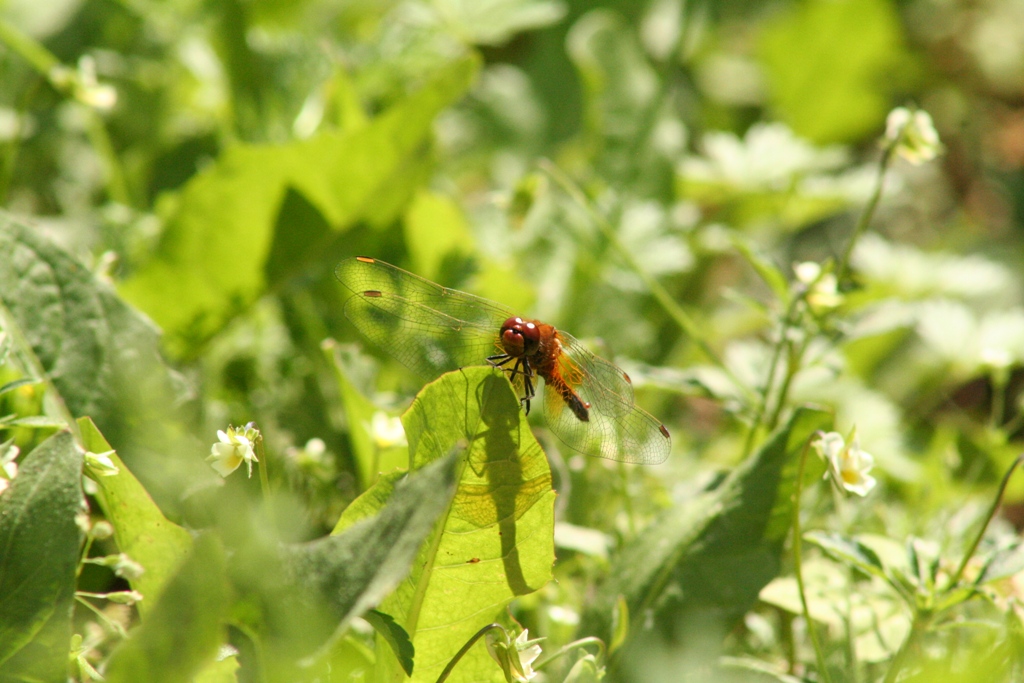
183 631
709 557
849 551
102 357
336 578
39 545
395 636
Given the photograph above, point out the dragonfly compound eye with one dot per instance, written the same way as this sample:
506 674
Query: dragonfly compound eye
519 337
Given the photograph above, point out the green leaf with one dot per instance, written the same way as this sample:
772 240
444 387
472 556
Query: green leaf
183 631
140 528
585 670
832 64
1003 563
849 551
359 412
709 557
17 383
435 228
39 545
495 540
395 636
217 255
334 579
101 356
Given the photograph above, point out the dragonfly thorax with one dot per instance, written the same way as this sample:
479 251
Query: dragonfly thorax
519 337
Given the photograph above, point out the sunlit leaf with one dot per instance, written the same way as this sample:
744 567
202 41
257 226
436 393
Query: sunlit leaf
220 252
140 528
495 540
829 64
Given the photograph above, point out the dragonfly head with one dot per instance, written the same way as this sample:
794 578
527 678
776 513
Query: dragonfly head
519 337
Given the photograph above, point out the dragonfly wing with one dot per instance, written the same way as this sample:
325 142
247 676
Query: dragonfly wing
424 340
363 275
616 428
428 328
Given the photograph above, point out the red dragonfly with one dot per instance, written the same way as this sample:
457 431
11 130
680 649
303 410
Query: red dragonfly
588 402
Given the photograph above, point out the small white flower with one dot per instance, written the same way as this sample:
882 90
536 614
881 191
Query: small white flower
515 660
913 134
100 464
8 468
848 464
234 448
823 288
387 431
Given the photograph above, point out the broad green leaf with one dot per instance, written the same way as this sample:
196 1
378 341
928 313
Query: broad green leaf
849 551
183 631
39 545
495 540
140 528
220 252
831 65
1003 563
359 414
101 356
710 556
435 229
328 582
395 636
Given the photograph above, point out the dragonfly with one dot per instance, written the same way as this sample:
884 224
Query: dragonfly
588 401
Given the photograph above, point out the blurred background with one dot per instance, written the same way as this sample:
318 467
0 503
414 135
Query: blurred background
214 160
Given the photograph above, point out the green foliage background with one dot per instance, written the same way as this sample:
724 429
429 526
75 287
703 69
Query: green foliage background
179 179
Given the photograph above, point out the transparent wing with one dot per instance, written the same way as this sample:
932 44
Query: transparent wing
428 328
617 429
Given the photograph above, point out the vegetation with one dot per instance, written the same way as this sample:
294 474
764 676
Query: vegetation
795 224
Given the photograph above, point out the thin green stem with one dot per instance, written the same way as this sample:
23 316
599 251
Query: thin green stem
865 217
261 465
465 648
773 366
574 645
113 625
1000 378
917 629
33 52
955 579
798 564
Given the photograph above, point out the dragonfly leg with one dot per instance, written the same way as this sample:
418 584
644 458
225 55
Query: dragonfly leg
521 367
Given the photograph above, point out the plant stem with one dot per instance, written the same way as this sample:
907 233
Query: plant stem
917 629
262 466
865 216
955 579
465 648
770 379
798 566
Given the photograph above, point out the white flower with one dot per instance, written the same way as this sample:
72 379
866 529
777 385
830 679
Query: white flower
8 467
100 464
234 448
515 660
848 464
387 431
823 289
913 134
